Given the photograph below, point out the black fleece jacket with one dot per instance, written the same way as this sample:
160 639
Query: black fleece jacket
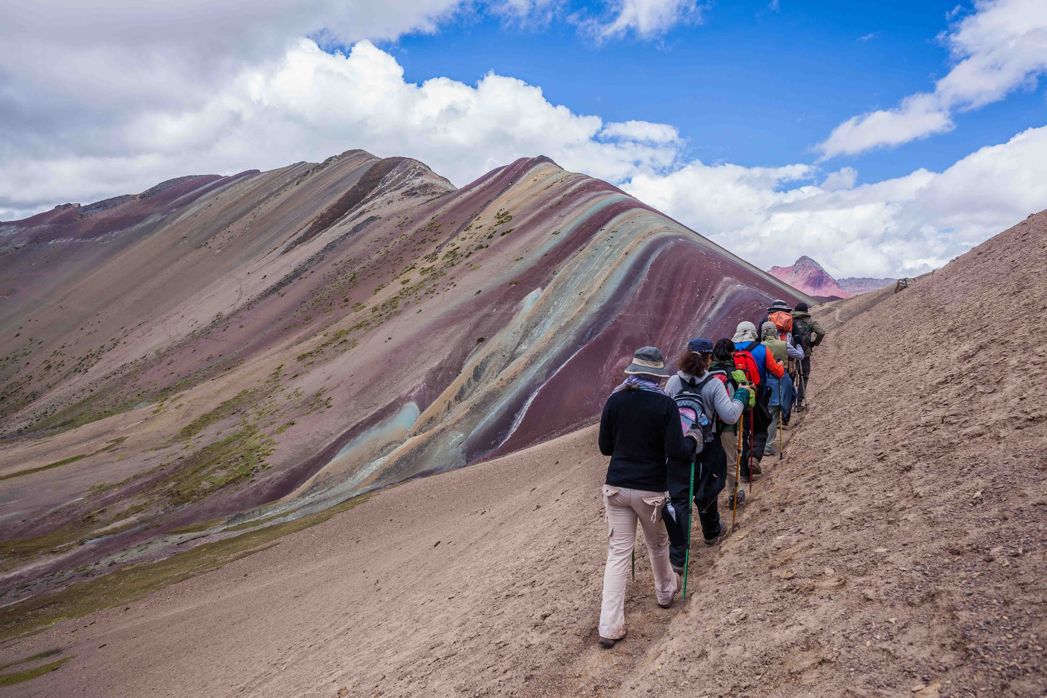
640 430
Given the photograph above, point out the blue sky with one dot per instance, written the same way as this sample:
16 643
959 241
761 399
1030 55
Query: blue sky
882 139
748 85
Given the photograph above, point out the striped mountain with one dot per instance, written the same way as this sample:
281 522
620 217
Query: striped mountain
217 354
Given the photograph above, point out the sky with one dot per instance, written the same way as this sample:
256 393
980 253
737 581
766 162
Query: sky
882 139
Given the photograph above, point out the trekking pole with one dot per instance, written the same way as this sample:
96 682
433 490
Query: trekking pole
781 440
632 559
752 436
737 470
687 553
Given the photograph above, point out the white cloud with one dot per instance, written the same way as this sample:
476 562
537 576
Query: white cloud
311 104
902 226
999 48
843 178
649 18
642 131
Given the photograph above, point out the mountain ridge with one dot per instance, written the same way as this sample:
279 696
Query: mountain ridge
238 351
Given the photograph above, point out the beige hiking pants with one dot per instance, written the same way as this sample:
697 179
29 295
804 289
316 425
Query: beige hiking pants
729 441
624 508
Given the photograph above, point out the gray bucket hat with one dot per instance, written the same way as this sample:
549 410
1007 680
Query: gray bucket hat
647 361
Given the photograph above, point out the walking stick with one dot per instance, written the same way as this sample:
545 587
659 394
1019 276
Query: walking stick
632 558
781 440
687 553
752 437
737 470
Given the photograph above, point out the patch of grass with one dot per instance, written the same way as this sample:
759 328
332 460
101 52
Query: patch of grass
34 658
56 464
225 409
30 674
131 583
112 444
219 464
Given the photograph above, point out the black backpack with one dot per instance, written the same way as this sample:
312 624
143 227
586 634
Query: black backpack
802 335
691 404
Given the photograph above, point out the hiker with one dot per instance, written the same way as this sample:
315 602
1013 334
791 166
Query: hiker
776 306
781 391
640 430
753 356
807 334
695 386
723 365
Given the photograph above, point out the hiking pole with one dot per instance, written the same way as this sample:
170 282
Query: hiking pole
752 437
687 552
632 559
737 470
781 440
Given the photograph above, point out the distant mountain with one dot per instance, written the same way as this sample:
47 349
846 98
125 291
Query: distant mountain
808 276
856 285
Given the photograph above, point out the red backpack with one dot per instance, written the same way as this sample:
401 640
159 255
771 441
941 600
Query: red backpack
744 360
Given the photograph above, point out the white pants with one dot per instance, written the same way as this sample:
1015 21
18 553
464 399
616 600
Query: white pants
624 508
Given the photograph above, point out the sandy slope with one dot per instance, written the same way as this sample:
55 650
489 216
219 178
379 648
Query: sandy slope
897 550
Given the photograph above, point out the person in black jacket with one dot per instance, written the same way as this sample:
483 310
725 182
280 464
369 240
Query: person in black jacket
640 430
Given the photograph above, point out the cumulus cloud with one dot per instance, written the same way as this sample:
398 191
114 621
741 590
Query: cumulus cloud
843 178
902 226
999 48
311 104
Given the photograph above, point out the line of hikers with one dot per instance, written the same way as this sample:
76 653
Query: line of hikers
671 445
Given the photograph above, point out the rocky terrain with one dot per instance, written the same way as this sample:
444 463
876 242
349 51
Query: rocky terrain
898 548
219 355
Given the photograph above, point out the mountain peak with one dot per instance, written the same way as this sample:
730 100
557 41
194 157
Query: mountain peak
809 276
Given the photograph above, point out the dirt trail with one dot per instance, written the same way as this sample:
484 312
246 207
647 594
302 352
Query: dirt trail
899 549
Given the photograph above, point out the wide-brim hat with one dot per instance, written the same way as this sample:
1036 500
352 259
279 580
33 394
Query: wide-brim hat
647 361
780 306
745 332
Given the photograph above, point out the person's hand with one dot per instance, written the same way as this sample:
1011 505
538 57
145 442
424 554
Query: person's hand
696 436
744 396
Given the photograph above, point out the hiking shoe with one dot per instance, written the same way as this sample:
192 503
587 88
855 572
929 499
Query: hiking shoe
755 469
669 604
770 451
719 535
607 643
741 499
678 569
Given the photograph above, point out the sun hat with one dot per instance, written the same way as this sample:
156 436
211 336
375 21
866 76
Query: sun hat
647 361
779 305
745 332
768 329
700 345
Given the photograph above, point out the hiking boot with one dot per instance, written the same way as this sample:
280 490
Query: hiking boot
607 643
672 600
755 469
719 534
741 500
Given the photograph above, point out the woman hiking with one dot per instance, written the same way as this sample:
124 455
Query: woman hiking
723 363
781 390
695 379
640 430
